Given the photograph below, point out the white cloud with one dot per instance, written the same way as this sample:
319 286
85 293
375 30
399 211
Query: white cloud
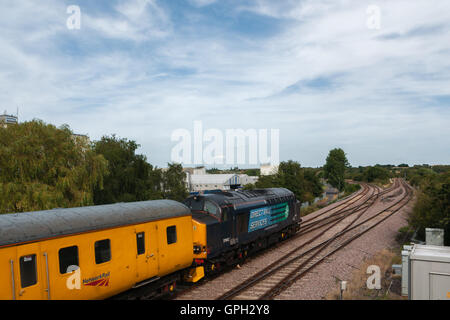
201 3
137 20
376 106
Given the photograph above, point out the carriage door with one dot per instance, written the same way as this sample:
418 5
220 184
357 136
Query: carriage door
228 229
146 253
28 282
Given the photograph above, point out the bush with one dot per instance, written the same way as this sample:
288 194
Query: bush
432 208
404 235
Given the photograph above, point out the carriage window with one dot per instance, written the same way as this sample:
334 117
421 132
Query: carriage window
140 240
28 275
102 251
171 234
68 257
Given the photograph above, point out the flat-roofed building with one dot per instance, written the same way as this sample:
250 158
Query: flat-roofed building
201 182
268 169
7 119
246 179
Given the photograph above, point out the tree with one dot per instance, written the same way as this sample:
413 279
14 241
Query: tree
304 183
44 167
334 169
432 208
131 177
173 181
376 173
291 176
313 184
252 172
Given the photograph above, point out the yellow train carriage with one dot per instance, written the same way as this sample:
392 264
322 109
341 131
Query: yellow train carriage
93 252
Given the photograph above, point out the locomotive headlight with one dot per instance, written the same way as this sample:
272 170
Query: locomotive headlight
197 249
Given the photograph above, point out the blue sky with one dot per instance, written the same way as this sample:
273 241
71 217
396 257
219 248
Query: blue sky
312 69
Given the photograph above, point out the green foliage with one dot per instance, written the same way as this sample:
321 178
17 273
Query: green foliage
377 174
372 174
173 181
335 167
304 183
249 186
213 171
252 172
350 188
130 177
271 181
432 209
417 175
440 168
404 235
44 167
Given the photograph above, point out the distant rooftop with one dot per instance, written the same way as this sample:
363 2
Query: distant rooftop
8 118
211 178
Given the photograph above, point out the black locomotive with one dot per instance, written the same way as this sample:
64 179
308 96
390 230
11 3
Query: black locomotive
229 225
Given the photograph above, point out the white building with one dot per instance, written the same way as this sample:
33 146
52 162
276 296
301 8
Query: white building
268 169
245 179
201 182
7 119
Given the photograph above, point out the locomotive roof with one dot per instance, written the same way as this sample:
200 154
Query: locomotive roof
238 197
32 226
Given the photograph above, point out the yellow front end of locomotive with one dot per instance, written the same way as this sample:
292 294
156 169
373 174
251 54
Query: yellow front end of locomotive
199 239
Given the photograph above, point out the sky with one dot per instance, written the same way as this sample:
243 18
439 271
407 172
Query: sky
370 77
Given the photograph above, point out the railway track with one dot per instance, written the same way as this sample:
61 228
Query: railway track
346 210
341 205
336 212
344 205
281 274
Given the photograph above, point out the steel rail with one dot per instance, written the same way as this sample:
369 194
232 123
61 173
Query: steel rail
318 248
295 275
267 271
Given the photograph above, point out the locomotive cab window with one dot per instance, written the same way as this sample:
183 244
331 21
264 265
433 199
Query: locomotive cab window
102 251
140 241
212 208
171 234
28 271
67 257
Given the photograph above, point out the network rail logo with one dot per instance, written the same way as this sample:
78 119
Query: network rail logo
101 280
74 282
231 146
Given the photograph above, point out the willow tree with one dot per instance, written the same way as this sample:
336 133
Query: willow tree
44 167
